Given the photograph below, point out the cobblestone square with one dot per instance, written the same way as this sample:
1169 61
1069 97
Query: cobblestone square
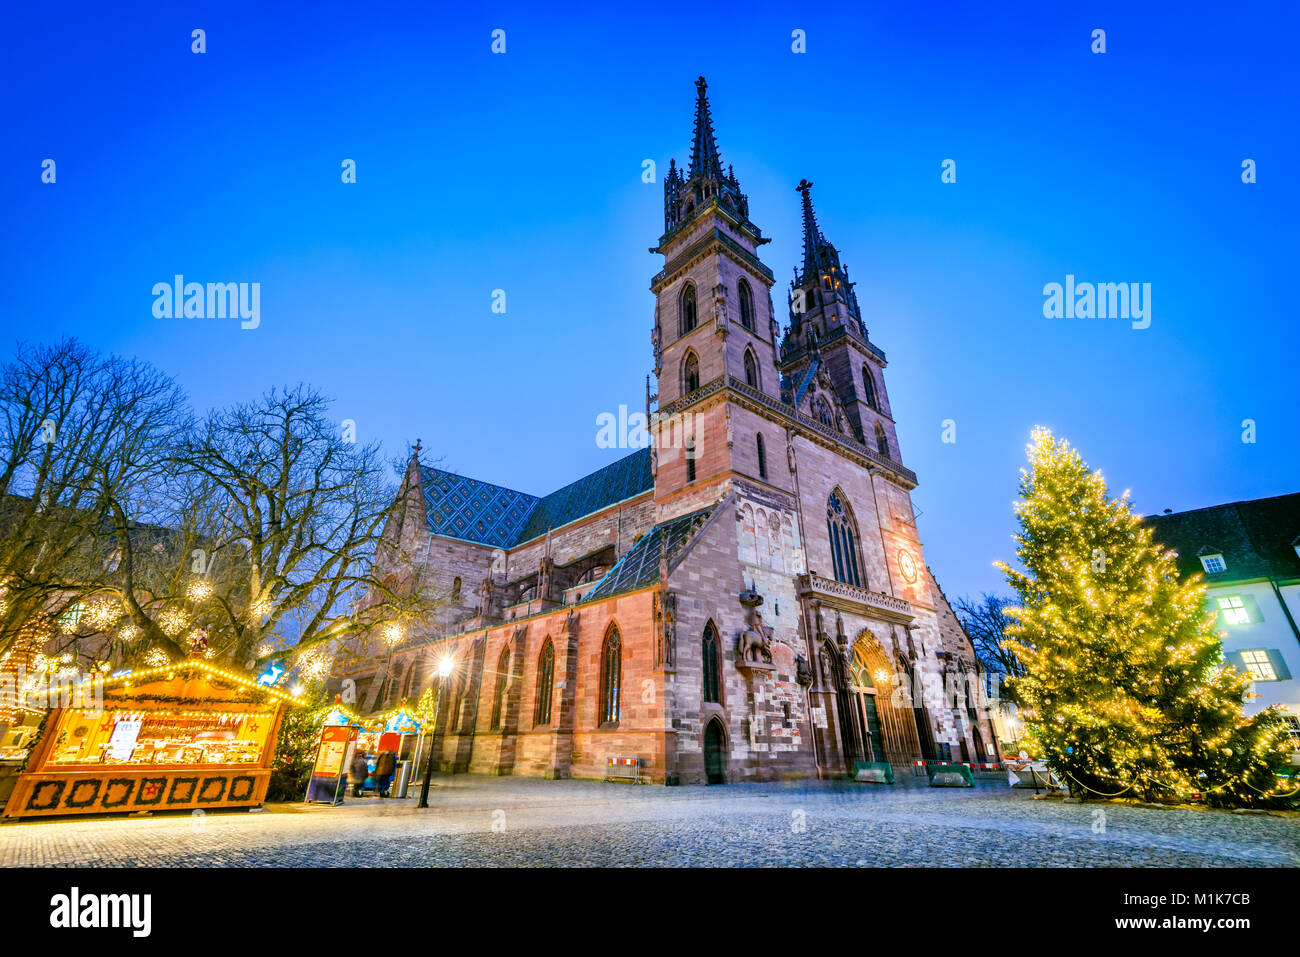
486 821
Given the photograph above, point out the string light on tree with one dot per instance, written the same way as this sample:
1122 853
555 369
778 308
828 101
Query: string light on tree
314 664
103 614
1124 688
173 622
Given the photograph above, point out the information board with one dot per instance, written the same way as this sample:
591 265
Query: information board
329 775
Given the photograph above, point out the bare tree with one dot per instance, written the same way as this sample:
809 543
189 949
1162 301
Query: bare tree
86 442
131 532
299 513
986 621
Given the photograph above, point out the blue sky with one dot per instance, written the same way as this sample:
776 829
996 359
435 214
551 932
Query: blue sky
522 172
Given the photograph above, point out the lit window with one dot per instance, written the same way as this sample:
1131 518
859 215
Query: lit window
1234 611
1258 665
1213 564
1292 728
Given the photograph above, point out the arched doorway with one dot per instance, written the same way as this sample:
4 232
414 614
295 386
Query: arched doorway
864 691
880 703
715 753
850 730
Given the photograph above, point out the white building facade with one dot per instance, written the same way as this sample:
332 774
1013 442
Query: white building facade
1249 556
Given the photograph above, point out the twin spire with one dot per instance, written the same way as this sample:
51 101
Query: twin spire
706 167
704 147
705 182
813 240
705 185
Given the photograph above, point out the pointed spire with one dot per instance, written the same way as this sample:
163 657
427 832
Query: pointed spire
704 148
812 237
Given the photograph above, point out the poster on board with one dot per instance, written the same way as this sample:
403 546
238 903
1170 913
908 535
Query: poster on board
329 775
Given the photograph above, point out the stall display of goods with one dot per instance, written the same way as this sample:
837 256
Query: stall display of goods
139 737
179 736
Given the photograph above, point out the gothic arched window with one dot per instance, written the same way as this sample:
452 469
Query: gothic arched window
844 542
686 310
454 719
882 442
503 678
455 588
869 388
746 306
545 681
611 677
710 647
823 412
751 370
690 373
762 456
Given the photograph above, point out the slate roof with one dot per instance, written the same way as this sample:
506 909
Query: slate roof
628 477
805 380
459 507
639 568
1256 538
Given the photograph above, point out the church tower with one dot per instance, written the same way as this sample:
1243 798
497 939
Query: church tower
827 332
714 327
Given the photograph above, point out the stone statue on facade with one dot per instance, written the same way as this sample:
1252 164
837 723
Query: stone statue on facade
755 642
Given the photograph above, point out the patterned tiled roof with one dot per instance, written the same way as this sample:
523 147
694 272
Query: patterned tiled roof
639 568
628 477
465 508
1256 538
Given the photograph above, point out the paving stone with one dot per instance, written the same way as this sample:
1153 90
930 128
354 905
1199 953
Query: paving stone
520 822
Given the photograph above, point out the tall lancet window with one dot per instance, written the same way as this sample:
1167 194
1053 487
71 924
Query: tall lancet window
751 370
611 677
746 306
882 442
710 664
686 310
690 374
502 683
844 541
869 388
545 682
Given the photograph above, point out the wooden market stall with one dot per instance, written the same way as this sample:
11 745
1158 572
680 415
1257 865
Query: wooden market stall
176 737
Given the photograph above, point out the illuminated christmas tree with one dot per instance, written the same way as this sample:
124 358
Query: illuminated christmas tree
1124 690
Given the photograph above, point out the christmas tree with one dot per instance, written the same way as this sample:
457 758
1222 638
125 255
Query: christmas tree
426 710
295 749
1124 687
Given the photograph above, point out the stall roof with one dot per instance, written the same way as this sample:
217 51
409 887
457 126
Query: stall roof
173 668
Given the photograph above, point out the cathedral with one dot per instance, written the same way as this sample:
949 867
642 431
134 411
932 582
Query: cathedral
744 599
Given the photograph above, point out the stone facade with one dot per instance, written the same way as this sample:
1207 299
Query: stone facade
747 599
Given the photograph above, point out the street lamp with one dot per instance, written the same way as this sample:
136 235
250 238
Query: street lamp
444 669
392 638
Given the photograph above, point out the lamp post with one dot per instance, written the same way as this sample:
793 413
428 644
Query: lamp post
444 669
392 638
